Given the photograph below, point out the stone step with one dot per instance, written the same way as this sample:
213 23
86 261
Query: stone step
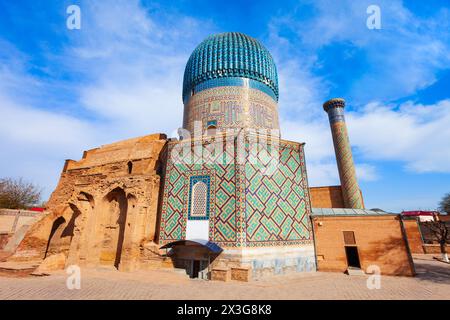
179 271
18 268
351 271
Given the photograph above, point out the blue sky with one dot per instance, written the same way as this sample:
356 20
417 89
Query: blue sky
64 91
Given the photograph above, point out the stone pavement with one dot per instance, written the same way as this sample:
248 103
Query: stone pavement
432 282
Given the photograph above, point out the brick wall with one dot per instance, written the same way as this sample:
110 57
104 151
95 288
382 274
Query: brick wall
413 235
433 248
379 240
326 197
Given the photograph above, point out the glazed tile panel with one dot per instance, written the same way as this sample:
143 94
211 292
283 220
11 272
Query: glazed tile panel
232 107
176 200
247 208
277 205
230 55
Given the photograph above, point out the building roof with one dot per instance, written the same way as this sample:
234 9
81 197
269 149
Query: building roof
419 213
211 246
230 54
348 212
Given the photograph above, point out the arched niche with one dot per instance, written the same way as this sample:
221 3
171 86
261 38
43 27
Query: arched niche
112 231
53 242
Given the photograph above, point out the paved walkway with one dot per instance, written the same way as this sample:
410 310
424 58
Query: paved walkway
432 282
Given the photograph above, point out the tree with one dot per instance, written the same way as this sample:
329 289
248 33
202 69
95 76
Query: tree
440 232
444 205
18 194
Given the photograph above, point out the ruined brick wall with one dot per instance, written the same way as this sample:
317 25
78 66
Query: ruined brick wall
414 236
114 187
379 240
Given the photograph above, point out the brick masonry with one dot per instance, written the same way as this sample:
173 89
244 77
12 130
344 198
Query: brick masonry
104 209
414 237
326 197
379 240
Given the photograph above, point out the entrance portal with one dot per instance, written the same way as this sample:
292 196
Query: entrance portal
194 256
198 269
195 268
352 257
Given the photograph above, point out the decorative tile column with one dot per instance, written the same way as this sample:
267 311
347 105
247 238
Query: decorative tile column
349 183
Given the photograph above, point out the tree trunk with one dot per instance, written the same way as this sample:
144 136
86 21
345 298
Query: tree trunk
443 252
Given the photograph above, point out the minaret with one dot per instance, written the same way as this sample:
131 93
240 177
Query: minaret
349 183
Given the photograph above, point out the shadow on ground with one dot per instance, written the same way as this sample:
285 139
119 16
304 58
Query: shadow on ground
432 270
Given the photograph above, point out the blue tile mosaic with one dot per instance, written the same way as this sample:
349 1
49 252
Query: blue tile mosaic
232 82
230 54
192 181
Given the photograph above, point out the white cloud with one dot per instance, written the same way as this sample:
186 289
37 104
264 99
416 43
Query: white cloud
417 135
401 58
128 65
319 151
136 62
366 172
35 142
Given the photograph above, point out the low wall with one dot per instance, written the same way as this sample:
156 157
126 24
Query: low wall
434 248
13 225
12 220
269 261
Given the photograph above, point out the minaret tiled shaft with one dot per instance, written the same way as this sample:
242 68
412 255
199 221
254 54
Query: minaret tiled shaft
349 183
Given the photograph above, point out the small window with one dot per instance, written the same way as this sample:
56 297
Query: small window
349 238
199 199
130 167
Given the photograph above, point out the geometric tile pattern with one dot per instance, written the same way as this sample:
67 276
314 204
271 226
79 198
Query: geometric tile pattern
222 210
225 214
246 207
277 210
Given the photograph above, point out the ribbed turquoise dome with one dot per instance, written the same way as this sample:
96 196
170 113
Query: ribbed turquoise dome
230 54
